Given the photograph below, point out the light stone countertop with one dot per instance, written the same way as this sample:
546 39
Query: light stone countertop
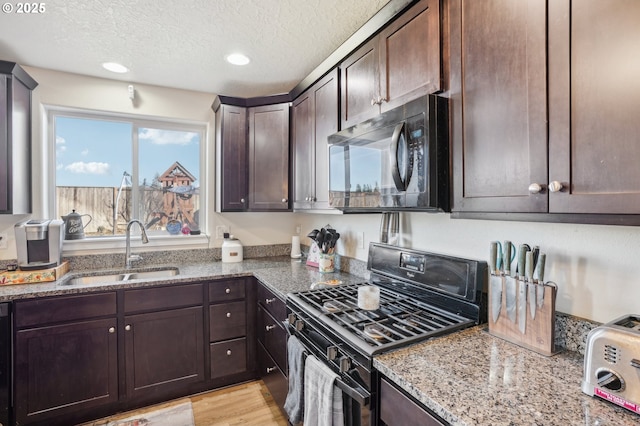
281 274
473 378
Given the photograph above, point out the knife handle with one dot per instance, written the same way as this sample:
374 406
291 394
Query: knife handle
539 272
493 256
529 266
522 259
506 257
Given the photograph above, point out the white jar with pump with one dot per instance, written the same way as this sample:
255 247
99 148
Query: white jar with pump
231 249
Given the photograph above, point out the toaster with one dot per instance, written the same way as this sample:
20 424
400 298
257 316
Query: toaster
612 362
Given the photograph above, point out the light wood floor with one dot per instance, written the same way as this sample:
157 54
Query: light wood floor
244 404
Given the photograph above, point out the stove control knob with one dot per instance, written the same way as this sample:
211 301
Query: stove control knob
608 379
291 318
332 352
345 364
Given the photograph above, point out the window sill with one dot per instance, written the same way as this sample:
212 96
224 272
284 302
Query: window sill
117 244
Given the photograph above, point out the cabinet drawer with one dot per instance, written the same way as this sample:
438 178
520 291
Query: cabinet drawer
275 380
49 310
228 357
168 297
273 337
274 305
227 321
221 291
398 409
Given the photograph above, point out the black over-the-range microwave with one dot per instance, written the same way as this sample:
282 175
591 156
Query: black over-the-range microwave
398 160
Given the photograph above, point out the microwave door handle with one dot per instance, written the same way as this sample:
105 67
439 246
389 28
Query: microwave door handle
393 158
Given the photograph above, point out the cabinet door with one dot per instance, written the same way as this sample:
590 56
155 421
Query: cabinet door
303 151
164 351
326 119
498 92
273 337
398 409
359 85
228 358
227 321
65 368
409 55
5 181
269 157
231 128
594 105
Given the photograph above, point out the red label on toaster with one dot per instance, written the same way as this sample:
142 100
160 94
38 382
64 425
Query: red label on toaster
617 400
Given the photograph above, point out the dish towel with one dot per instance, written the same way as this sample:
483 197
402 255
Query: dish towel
294 404
322 399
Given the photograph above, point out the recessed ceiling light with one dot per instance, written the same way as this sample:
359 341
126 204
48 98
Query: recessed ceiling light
237 59
115 67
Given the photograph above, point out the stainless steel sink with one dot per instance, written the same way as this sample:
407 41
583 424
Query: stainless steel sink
121 277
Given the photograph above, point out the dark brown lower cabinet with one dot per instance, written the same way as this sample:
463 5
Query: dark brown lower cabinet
66 358
398 409
163 351
228 357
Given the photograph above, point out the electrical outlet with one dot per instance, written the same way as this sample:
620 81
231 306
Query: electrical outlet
298 228
220 231
360 239
4 244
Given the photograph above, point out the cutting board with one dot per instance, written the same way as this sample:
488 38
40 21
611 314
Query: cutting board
539 335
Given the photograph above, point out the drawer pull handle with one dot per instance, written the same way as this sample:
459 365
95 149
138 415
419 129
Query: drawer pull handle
228 290
228 314
270 327
112 330
268 301
127 327
271 369
228 351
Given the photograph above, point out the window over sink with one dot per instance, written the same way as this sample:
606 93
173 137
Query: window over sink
115 168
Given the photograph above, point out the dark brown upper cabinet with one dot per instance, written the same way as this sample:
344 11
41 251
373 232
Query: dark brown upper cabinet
252 161
15 139
399 64
498 92
315 116
512 153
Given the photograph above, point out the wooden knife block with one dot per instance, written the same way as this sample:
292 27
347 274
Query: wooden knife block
539 335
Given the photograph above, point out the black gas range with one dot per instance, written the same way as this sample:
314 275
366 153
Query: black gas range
422 295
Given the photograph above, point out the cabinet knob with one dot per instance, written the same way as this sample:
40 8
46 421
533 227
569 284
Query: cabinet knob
555 186
268 301
112 330
228 314
271 369
227 290
535 188
228 351
269 327
242 200
127 327
284 200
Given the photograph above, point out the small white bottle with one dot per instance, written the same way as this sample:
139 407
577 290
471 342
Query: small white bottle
231 249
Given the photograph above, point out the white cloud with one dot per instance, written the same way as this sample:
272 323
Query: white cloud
167 137
93 168
85 152
60 140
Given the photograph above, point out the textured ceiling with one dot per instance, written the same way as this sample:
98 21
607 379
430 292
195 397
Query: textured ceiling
183 44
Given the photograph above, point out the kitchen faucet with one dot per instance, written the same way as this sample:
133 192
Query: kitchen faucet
128 257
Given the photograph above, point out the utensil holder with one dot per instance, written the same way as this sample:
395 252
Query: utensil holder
326 263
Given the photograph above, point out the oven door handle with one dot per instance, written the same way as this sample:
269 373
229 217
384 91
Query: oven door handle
356 394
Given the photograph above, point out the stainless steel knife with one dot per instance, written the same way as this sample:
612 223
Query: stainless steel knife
539 276
522 292
531 285
522 257
495 282
510 282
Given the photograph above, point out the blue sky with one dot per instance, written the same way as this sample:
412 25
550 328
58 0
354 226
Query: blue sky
97 152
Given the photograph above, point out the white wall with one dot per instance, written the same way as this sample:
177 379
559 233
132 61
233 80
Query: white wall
596 267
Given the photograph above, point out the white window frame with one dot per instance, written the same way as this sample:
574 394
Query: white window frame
114 243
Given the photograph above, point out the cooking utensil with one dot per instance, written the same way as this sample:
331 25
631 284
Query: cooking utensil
313 234
539 275
495 282
510 283
531 285
516 285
